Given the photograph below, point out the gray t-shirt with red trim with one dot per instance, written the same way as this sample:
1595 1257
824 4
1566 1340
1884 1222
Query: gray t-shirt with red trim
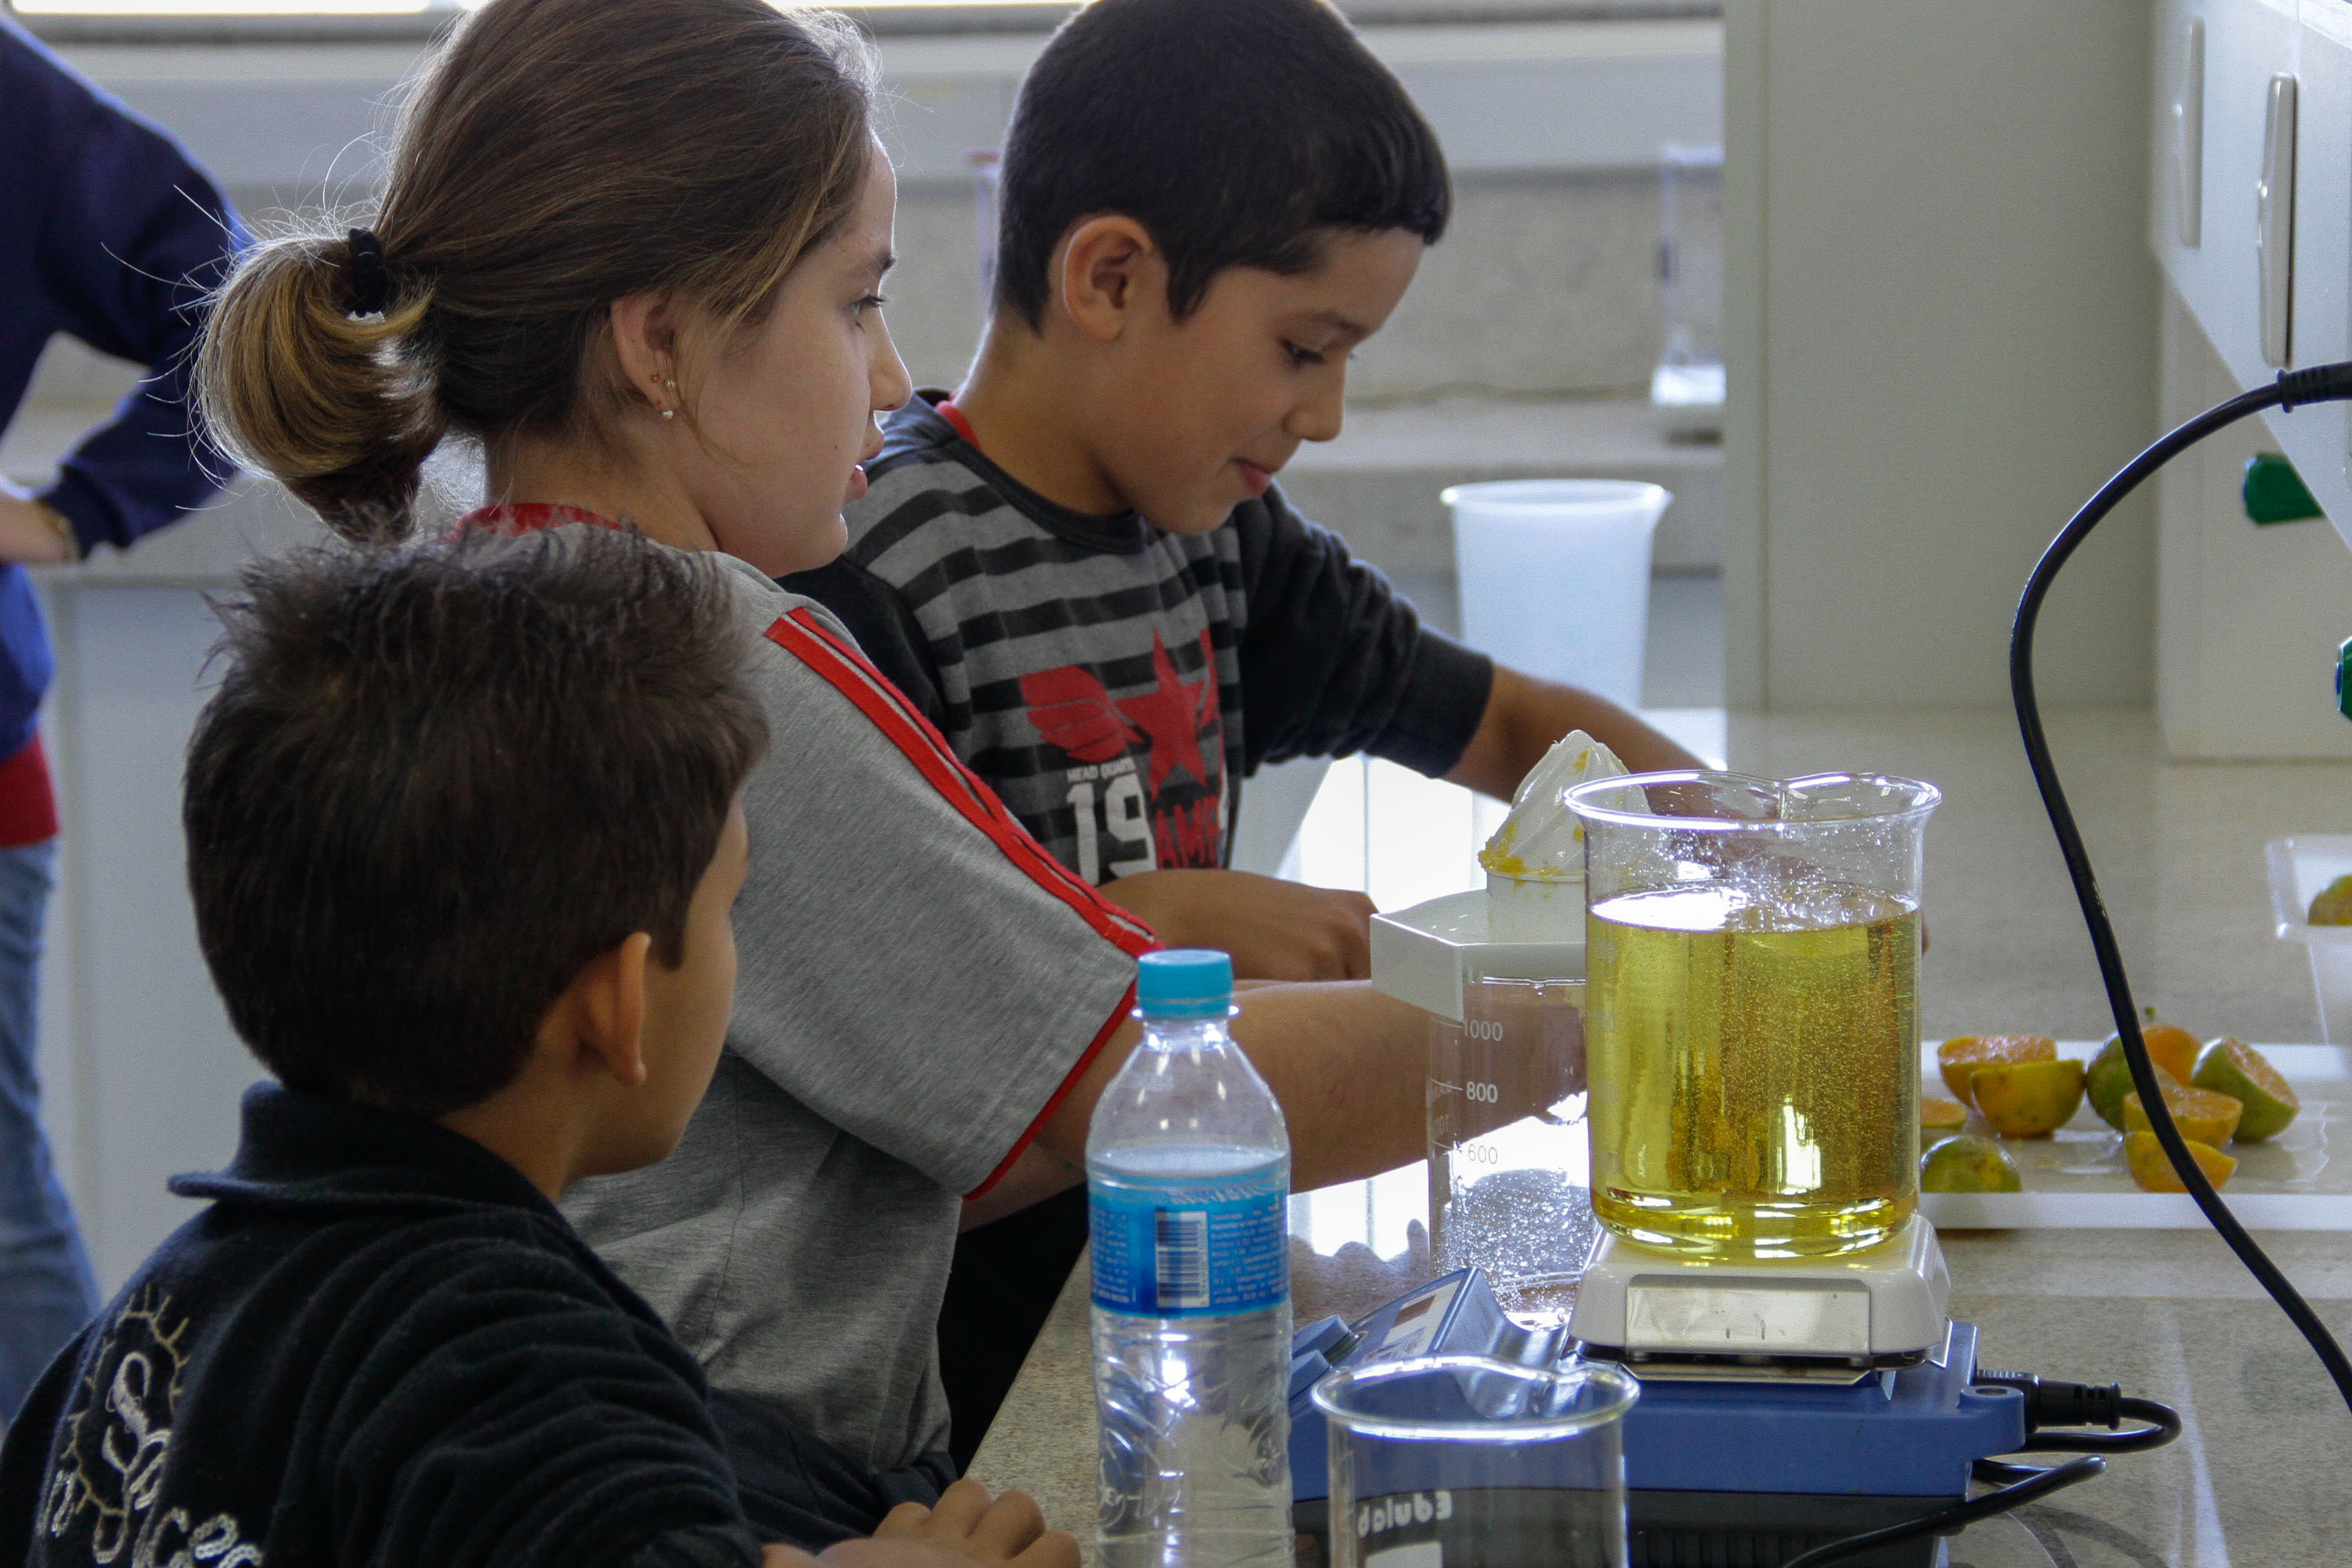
917 981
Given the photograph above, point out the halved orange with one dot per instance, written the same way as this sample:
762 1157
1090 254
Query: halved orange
2154 1173
2202 1116
1962 1055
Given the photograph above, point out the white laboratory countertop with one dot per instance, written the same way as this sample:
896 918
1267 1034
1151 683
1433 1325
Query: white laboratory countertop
2262 1474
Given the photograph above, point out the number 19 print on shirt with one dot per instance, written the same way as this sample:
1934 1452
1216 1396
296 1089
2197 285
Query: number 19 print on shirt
1145 778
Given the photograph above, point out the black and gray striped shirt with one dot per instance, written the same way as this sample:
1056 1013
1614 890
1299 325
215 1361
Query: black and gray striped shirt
1115 683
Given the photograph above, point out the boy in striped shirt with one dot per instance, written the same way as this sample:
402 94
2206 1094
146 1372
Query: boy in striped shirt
1080 567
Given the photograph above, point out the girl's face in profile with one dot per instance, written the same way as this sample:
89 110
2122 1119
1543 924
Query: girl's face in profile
786 409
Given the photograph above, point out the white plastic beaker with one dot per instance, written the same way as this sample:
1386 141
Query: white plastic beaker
1555 578
1458 1461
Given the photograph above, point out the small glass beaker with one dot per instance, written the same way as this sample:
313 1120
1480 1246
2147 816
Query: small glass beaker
1509 1173
1752 952
1459 1461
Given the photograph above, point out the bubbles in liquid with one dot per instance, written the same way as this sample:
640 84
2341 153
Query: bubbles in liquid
1753 1065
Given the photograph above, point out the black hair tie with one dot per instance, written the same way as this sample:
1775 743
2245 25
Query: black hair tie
370 281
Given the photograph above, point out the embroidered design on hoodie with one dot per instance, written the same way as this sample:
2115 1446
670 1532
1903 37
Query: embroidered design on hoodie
109 1472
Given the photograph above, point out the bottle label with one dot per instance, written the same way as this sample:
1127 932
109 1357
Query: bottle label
1188 1252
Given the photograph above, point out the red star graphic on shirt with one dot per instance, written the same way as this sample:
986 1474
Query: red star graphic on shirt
1170 715
1072 711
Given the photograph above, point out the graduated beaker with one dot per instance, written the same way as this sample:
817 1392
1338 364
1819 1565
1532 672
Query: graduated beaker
1459 1461
1509 1171
1752 955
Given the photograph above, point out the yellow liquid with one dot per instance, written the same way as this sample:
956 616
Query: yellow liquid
1755 1070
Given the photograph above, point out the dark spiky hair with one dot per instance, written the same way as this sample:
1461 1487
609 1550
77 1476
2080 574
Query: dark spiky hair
438 779
1239 132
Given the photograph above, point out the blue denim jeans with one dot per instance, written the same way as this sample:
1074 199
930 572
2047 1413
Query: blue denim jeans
47 1289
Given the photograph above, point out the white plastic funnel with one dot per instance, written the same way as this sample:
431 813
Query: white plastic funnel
1555 576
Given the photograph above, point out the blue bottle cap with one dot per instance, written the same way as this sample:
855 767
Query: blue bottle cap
1184 983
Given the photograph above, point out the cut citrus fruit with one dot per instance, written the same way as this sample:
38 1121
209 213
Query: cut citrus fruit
2235 1069
1940 1118
2202 1116
1963 1054
2027 1100
2154 1173
2110 1080
2333 907
2169 1046
1968 1165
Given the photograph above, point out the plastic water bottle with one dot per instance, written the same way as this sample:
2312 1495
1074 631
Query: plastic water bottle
1188 1168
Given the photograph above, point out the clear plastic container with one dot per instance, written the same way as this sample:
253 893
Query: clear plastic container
1188 1171
2301 868
1555 578
1458 1461
1688 384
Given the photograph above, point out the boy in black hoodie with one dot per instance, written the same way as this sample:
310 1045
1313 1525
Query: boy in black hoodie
463 837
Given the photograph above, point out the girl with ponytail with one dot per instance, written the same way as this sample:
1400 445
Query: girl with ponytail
630 249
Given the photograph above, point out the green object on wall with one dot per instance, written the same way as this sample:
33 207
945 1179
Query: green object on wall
2274 492
2344 687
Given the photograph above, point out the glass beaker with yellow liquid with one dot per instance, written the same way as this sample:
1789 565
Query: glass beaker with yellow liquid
1752 953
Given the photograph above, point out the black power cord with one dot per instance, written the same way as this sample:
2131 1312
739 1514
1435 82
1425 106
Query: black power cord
2320 384
2037 1484
2069 1405
2047 1405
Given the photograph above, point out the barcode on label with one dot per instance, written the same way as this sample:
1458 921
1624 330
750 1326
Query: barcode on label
1181 1243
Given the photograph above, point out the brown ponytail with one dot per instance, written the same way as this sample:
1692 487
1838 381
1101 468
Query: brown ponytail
557 156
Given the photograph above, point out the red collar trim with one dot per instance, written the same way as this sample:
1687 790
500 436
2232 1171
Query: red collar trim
954 416
529 516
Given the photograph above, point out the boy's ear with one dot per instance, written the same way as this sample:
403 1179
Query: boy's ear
1111 268
645 343
605 1008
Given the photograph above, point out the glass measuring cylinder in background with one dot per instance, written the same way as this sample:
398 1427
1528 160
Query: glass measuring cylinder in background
1689 380
1508 1173
1462 1462
1752 959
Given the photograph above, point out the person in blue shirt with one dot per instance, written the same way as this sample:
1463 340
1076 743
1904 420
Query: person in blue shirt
110 234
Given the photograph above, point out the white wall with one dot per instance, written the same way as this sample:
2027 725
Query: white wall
1941 318
141 1068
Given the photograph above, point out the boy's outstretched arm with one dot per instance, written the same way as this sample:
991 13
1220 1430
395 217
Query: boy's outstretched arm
1524 716
1275 930
1347 1065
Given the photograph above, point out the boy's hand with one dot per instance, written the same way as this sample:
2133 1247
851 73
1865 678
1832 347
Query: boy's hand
1275 930
964 1528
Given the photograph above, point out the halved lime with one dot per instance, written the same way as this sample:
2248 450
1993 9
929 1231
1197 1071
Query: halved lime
2231 1067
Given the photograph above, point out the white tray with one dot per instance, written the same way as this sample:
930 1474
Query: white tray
2075 1178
